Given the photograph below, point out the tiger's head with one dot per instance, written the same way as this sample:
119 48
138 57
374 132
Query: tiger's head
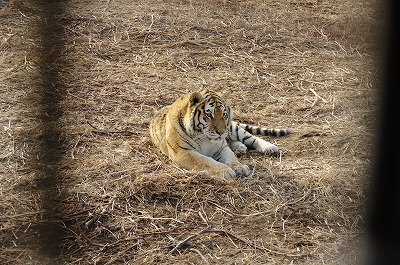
209 114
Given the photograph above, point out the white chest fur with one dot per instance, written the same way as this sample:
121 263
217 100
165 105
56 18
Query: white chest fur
206 146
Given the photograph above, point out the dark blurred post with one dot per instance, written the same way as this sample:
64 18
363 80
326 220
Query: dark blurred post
51 34
383 224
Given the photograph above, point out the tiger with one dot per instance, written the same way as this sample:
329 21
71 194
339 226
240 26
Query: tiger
197 133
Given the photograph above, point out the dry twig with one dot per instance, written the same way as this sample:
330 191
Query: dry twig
231 235
106 132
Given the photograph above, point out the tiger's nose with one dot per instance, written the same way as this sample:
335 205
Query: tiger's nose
220 132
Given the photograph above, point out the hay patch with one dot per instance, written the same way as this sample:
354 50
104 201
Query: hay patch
306 66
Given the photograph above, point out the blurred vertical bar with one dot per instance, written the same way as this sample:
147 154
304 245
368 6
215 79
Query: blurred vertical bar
51 32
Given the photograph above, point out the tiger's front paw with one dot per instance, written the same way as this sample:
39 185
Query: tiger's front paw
224 172
241 169
238 148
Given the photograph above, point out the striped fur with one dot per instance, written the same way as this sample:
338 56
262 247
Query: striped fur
197 132
264 131
241 137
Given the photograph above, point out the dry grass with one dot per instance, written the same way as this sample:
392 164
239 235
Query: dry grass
308 66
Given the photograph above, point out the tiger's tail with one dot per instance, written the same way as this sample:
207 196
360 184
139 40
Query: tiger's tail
264 131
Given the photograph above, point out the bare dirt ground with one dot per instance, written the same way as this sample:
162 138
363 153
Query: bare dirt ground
81 182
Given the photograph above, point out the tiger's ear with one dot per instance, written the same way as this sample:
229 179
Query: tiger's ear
225 95
195 98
